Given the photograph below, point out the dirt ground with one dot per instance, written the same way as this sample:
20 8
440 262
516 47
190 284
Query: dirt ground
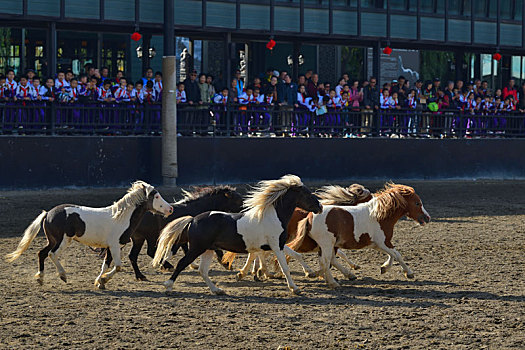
468 292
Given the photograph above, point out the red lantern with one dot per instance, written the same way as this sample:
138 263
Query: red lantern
497 56
136 36
270 45
387 50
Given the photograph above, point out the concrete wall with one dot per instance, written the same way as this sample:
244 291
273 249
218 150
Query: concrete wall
38 161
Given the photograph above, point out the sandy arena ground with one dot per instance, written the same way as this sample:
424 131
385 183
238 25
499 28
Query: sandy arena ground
468 292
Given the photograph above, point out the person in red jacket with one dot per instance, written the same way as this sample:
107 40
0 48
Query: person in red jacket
510 90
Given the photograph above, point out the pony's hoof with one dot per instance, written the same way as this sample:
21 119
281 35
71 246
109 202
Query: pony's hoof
334 285
356 267
218 291
383 269
63 278
167 269
194 266
168 285
101 286
296 291
352 277
141 278
40 281
226 266
103 280
239 276
310 275
409 275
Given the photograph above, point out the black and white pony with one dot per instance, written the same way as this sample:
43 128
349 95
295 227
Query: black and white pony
95 227
223 198
261 227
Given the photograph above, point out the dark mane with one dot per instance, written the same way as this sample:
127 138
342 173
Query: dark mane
207 191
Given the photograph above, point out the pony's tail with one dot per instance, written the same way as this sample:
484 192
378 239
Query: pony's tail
228 258
303 227
168 237
29 235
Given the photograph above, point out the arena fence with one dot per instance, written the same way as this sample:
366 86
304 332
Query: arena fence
254 121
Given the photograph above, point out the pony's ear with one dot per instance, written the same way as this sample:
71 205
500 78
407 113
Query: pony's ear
149 190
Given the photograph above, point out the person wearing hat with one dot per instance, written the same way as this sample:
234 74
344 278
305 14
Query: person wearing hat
436 87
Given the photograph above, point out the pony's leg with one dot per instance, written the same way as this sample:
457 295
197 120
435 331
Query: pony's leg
343 256
284 267
54 255
325 258
152 248
115 253
133 256
187 259
394 254
42 255
105 266
204 267
220 254
185 248
308 272
262 270
244 271
348 274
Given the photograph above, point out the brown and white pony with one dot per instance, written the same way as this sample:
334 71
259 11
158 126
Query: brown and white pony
328 195
369 224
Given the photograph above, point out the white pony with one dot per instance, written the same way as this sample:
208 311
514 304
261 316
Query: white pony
106 227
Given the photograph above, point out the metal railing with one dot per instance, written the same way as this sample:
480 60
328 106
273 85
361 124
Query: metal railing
254 120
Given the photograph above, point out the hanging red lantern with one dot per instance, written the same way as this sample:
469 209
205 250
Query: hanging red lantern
387 50
497 56
270 45
136 36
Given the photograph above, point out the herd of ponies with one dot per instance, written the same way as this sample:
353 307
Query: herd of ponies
280 216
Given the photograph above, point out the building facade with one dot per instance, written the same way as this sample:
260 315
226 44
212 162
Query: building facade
450 38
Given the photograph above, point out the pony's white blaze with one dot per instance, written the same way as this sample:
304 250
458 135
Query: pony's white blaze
425 211
160 205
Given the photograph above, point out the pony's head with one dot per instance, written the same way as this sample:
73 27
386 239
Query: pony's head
362 193
153 200
289 188
401 198
225 198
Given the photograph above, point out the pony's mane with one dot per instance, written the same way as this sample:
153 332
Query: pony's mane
266 193
389 199
137 193
337 195
201 192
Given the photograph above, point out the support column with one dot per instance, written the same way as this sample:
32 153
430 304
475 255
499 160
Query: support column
376 68
295 57
191 48
23 53
100 38
146 44
459 60
169 103
227 59
52 50
169 122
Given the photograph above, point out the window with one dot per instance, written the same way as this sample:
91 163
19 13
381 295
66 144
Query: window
480 8
427 6
506 9
518 10
379 4
454 7
398 4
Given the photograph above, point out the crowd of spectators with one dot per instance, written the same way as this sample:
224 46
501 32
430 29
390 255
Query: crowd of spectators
274 101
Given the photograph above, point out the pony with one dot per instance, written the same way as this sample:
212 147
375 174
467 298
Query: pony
222 198
369 224
260 227
328 195
95 227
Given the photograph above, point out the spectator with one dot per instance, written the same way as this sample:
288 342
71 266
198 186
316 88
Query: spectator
191 85
240 83
204 89
312 87
287 101
510 90
233 94
211 86
148 75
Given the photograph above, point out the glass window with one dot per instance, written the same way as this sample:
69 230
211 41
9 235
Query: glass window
480 8
466 7
398 4
518 10
427 6
379 4
506 9
454 7
516 67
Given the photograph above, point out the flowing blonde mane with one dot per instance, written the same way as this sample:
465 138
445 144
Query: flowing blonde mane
137 193
266 193
337 195
390 199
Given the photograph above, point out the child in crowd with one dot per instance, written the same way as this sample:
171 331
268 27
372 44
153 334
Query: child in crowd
181 94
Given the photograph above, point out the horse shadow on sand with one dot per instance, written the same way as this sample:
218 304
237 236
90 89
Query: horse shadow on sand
366 291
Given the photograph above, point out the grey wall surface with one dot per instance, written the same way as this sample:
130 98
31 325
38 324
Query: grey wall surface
39 161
